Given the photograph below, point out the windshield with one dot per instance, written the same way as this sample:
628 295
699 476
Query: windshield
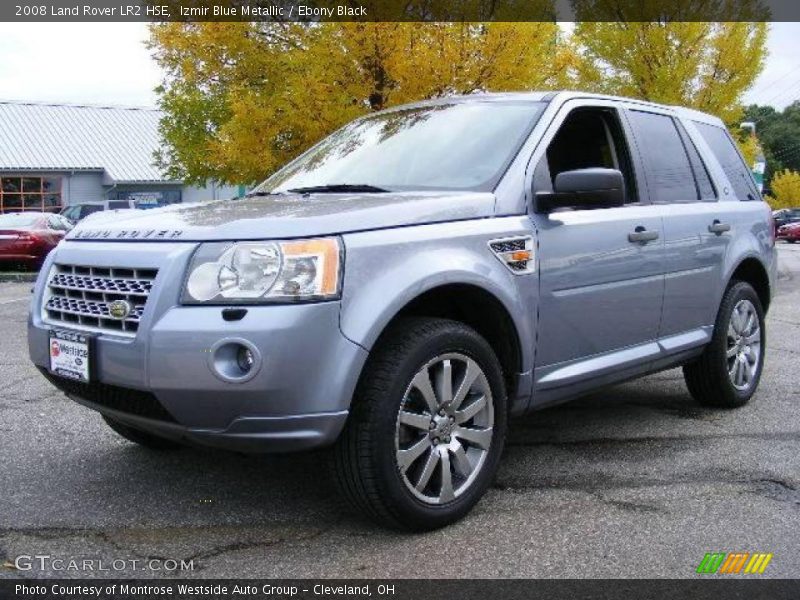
460 146
19 221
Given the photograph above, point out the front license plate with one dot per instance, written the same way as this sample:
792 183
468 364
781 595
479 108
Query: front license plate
70 355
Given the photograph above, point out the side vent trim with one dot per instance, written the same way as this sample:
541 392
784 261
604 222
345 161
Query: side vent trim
516 253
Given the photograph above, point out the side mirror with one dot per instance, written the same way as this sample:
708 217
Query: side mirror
584 188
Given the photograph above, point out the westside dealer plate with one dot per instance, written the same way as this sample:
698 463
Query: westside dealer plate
71 355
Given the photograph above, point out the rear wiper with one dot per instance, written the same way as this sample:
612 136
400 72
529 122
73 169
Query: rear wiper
334 188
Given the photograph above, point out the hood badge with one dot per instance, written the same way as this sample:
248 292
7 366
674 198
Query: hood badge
125 234
120 309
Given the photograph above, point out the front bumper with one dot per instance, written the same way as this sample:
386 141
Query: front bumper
297 399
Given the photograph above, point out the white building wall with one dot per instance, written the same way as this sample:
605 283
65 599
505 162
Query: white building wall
82 187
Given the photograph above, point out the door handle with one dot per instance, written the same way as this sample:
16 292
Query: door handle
640 234
718 228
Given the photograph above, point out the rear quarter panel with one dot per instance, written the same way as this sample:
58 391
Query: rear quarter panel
751 237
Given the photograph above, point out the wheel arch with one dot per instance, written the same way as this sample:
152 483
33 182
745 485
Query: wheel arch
751 270
479 308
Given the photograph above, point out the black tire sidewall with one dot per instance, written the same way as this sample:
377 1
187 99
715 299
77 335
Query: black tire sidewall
412 511
736 292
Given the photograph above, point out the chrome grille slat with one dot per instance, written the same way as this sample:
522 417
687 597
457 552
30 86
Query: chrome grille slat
134 287
79 296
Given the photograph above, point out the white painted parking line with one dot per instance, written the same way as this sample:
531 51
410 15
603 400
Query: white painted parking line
15 300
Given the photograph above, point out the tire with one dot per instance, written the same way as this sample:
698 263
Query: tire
137 436
368 455
709 378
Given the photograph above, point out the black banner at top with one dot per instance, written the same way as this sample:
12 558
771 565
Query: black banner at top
399 10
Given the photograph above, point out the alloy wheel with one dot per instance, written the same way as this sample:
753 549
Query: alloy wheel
743 351
444 428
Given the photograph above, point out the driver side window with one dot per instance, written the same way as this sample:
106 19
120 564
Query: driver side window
588 138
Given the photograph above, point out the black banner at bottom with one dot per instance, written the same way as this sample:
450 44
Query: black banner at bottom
399 589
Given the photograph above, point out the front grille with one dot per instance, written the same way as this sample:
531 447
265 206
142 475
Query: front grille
126 400
80 297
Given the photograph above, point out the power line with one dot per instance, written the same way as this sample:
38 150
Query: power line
791 89
774 81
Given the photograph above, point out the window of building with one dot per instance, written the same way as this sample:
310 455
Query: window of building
41 194
147 198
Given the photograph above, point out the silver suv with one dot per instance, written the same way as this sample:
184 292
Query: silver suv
415 279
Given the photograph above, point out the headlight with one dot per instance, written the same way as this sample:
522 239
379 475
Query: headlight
254 272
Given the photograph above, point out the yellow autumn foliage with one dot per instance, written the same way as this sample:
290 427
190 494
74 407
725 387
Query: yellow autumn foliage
785 187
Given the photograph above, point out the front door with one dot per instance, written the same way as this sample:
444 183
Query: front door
601 270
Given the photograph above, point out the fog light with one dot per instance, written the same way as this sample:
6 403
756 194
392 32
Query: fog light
234 360
245 359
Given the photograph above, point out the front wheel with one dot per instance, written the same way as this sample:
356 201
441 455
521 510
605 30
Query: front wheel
729 370
427 426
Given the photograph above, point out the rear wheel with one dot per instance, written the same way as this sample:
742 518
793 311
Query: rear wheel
729 370
427 426
140 437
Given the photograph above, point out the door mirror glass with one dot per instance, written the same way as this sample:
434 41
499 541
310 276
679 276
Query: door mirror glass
584 188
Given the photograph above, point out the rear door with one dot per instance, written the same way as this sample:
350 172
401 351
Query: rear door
601 285
696 230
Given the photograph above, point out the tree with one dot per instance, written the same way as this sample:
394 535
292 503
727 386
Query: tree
749 147
779 135
240 99
704 65
785 187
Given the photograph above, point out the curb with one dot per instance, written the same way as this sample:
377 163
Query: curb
18 277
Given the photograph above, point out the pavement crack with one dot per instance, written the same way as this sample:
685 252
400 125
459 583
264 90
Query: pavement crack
639 507
222 549
777 489
764 485
787 436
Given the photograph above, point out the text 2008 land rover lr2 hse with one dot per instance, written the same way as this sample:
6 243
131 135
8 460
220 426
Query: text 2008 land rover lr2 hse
412 281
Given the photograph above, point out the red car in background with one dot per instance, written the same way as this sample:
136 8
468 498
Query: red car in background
790 232
27 237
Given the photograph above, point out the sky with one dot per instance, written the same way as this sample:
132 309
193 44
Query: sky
108 63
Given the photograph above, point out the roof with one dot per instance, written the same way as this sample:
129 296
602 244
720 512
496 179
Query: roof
562 96
66 137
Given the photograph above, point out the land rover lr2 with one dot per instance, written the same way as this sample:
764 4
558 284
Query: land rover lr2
412 281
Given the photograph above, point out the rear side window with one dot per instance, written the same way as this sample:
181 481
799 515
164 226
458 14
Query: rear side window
732 163
118 204
705 188
667 170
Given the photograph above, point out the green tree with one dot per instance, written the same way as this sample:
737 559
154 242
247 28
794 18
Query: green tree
779 135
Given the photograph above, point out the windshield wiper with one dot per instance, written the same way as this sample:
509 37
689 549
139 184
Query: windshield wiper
260 194
335 188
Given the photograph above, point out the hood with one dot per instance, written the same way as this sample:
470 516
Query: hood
285 216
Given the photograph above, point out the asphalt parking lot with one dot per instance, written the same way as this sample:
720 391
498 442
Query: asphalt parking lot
636 481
